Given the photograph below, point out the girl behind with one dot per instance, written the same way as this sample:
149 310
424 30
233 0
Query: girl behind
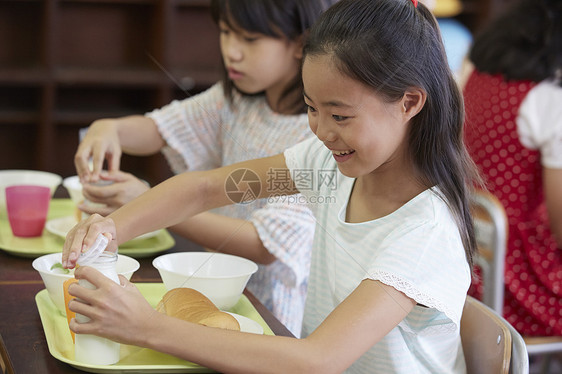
393 247
278 19
514 134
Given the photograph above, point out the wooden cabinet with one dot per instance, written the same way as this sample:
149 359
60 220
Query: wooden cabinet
66 63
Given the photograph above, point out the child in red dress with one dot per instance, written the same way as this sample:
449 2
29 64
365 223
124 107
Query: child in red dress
513 101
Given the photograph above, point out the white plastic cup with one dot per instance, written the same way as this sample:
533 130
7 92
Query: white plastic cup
91 349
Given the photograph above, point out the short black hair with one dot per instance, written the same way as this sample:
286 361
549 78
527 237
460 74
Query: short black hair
523 43
289 19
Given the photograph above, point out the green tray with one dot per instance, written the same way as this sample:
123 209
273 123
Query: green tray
133 359
51 243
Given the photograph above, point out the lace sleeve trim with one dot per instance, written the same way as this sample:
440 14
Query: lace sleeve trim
421 298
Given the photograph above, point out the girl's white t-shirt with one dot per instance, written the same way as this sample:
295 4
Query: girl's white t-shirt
417 250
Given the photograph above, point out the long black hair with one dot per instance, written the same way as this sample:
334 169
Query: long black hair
523 43
390 46
275 18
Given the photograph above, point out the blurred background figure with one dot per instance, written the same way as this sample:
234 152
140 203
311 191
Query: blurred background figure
456 36
513 99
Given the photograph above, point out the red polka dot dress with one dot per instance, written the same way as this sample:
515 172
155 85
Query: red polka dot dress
513 173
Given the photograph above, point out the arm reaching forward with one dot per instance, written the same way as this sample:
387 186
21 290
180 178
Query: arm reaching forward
173 201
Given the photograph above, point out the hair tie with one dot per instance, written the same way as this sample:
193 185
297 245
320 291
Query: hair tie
415 2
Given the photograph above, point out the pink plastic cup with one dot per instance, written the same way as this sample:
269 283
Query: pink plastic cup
27 208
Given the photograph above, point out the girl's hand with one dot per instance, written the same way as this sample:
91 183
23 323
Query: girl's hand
117 312
82 236
125 188
100 143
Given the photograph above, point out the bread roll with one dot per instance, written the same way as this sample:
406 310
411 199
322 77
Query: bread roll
191 305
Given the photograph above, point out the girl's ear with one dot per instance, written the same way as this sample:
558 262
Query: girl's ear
413 101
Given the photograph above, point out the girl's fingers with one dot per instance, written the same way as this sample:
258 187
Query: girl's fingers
81 164
83 236
87 310
113 163
82 159
92 192
124 282
101 210
72 248
116 311
91 275
117 176
97 162
96 225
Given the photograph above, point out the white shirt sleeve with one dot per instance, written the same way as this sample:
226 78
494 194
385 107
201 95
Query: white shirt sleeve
286 229
539 123
192 130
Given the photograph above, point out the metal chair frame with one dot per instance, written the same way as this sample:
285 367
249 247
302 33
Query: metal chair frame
491 235
490 223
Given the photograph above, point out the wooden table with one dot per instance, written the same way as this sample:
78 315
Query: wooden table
23 346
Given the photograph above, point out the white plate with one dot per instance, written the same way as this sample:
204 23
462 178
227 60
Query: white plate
247 324
61 226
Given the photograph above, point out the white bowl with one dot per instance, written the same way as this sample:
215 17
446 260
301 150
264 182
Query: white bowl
54 280
32 177
220 277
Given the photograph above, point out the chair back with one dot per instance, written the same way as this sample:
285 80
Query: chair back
486 339
519 355
490 222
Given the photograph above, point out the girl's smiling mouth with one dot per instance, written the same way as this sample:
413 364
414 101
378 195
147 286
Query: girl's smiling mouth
342 156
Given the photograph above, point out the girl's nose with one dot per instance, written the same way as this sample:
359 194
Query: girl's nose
324 131
232 49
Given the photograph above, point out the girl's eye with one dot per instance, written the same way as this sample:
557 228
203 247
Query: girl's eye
339 118
249 37
224 31
310 108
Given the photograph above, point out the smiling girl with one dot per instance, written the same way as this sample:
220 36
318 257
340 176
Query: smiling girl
393 247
